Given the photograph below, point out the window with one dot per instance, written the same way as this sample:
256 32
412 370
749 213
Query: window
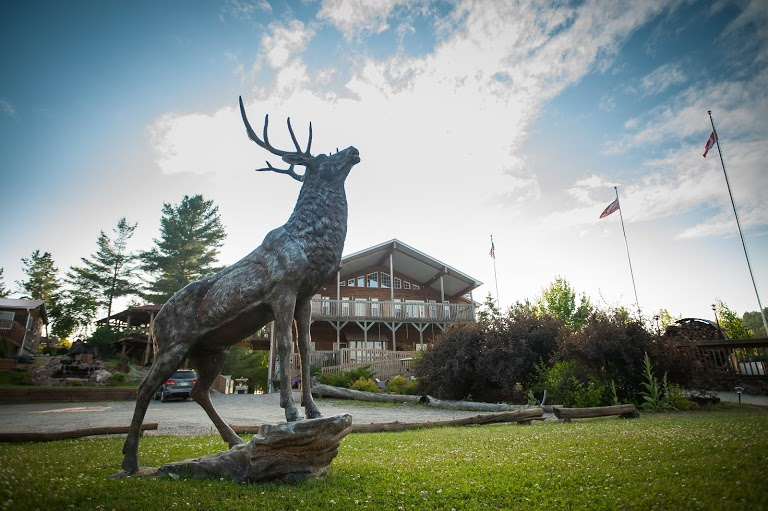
406 285
351 282
373 279
342 283
398 283
360 281
415 286
386 280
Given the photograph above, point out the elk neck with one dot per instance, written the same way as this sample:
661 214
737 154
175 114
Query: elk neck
320 216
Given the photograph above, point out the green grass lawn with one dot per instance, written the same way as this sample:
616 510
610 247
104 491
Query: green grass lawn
712 459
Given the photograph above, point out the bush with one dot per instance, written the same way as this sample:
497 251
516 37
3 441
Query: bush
489 359
21 377
117 378
567 387
346 379
401 385
365 385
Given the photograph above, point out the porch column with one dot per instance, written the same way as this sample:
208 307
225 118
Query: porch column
442 290
392 300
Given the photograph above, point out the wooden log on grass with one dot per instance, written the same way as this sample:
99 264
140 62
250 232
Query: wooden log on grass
523 416
66 435
625 411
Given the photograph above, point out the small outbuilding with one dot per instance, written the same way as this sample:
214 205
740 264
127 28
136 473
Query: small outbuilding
21 326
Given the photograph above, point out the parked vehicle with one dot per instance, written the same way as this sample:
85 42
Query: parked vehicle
178 385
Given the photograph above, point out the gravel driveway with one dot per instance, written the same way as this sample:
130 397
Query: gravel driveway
187 418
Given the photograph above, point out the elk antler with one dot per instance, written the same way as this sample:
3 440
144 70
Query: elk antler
278 152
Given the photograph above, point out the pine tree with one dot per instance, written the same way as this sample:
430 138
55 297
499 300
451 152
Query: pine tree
3 290
42 282
190 236
107 274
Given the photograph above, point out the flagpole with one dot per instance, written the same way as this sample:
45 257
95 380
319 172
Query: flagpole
495 278
738 224
637 302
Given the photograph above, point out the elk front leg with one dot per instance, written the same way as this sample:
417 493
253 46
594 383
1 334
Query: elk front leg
284 332
303 317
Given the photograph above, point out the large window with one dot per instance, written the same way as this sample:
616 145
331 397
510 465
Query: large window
386 280
398 283
360 281
373 279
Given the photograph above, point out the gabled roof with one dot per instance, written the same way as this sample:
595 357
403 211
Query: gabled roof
139 315
422 269
20 304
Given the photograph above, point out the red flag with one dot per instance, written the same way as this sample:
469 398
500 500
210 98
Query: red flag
710 143
612 208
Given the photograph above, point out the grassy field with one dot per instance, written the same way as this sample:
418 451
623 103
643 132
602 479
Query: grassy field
710 459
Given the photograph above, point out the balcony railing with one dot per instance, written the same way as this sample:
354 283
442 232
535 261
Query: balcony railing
383 363
405 311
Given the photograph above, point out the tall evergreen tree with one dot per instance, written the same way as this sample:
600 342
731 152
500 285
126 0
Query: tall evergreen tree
190 236
107 274
42 282
3 290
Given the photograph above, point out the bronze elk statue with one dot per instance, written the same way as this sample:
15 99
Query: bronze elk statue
274 282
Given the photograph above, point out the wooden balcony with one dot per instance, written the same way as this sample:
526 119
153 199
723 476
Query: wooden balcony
383 363
398 311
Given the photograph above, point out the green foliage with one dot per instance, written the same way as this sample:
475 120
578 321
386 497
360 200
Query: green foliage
117 378
108 273
656 395
103 339
753 322
488 311
566 386
365 385
42 278
346 379
614 395
248 363
75 311
402 385
559 300
730 322
190 236
678 400
3 290
21 377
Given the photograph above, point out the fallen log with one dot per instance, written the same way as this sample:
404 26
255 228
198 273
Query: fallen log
624 411
521 416
322 390
66 435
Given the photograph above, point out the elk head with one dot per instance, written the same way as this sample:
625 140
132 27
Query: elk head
331 169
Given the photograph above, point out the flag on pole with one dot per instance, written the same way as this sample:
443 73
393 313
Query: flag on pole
710 143
492 253
612 208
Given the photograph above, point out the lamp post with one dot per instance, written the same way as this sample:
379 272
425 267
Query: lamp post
714 309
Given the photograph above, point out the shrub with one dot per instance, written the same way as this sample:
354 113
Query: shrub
117 378
401 385
346 379
21 377
488 359
655 395
565 386
365 385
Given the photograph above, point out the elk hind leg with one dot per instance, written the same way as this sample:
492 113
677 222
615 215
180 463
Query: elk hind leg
283 327
208 365
166 362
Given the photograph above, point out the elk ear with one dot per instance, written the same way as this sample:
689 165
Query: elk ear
296 159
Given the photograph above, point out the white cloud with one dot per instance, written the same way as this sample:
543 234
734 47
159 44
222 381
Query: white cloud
7 107
243 9
283 43
354 17
660 79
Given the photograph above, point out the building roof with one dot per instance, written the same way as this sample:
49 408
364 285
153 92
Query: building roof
139 315
21 304
424 270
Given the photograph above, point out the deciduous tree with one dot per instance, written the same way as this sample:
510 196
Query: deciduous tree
187 250
754 322
731 323
559 300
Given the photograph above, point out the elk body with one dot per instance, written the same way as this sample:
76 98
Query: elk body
274 282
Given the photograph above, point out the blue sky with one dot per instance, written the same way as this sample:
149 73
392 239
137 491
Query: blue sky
472 118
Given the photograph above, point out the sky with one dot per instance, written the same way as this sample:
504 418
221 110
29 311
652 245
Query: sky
473 119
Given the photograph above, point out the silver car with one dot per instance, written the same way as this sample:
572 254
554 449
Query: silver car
178 385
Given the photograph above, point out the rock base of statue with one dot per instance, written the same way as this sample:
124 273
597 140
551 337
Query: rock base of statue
290 452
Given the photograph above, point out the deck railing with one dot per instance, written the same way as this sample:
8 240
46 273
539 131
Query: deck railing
12 330
401 311
741 358
383 363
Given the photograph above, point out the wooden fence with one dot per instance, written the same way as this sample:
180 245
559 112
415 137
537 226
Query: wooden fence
744 359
